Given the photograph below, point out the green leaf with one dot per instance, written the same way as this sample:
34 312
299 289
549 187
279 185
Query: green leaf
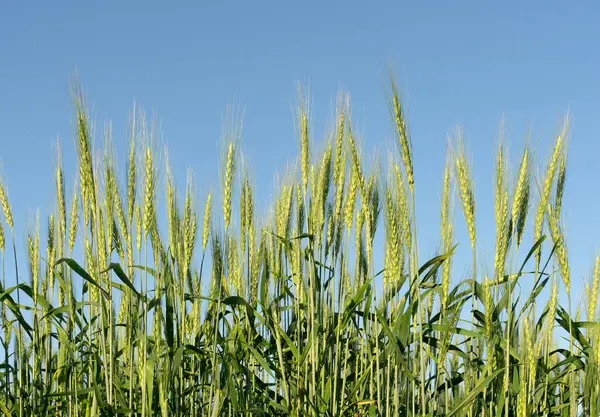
123 277
482 383
83 274
65 309
16 310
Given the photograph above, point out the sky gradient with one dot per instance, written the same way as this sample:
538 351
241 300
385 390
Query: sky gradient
458 63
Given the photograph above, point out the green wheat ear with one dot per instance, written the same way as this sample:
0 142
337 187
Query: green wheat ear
206 225
402 134
303 117
521 196
149 191
546 188
2 239
5 206
592 299
228 183
503 226
466 194
446 227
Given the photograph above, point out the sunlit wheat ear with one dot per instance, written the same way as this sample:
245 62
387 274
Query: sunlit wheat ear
338 164
283 206
51 250
289 204
74 218
560 253
404 215
303 114
363 193
389 247
522 399
5 206
121 215
360 219
521 196
101 242
560 183
233 266
445 203
139 225
446 227
356 166
172 210
60 197
149 192
545 192
322 191
259 255
325 175
277 219
228 182
157 245
300 209
588 292
339 198
116 243
32 264
402 133
466 191
500 185
501 213
189 225
339 222
2 239
33 241
132 170
351 200
157 320
84 150
296 269
123 311
249 214
593 298
369 232
242 211
387 266
206 225
110 186
488 305
373 208
393 240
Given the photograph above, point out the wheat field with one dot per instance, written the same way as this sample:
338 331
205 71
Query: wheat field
219 310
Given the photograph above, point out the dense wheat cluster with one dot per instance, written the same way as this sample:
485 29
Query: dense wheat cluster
221 310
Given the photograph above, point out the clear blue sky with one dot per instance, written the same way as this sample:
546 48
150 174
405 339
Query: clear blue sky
468 63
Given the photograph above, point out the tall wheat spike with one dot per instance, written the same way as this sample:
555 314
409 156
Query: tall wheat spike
521 196
591 311
465 182
548 180
446 231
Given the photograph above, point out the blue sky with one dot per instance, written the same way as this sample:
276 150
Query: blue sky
459 63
